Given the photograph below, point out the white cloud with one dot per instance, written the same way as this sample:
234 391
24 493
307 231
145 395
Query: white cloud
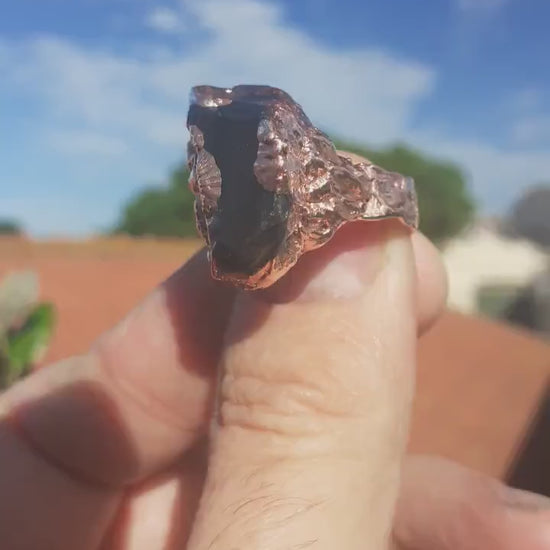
362 93
96 90
77 142
165 20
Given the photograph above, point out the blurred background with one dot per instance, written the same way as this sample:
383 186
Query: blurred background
95 210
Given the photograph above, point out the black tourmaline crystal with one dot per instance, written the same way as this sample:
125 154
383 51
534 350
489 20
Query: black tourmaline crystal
248 224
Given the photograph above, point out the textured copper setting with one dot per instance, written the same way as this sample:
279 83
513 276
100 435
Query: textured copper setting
269 186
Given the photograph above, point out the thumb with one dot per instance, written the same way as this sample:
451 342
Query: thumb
314 401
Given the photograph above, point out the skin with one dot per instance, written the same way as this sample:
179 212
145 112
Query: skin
215 419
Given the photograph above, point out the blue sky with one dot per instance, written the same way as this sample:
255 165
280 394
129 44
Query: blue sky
93 93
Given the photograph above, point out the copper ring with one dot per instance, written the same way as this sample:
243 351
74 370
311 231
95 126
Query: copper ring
269 186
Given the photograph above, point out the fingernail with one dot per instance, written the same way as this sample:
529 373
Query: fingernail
525 500
342 269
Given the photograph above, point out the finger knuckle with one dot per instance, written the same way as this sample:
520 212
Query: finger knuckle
283 394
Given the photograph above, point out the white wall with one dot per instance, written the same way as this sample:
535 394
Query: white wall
483 257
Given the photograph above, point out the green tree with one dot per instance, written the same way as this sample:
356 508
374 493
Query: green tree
161 211
9 227
445 203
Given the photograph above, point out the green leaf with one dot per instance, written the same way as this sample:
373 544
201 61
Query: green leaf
161 211
27 344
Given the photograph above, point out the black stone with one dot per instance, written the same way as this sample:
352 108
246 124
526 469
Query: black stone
250 223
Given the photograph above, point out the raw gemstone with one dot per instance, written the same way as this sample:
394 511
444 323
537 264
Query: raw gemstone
249 224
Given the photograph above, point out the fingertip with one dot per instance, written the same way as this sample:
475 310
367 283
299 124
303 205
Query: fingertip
432 281
431 274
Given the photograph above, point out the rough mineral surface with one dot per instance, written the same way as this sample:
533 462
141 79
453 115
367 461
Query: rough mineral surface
269 186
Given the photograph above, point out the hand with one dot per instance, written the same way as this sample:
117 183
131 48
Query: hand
113 449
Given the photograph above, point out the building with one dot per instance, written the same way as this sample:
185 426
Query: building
487 271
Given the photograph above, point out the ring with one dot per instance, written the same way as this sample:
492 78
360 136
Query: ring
269 186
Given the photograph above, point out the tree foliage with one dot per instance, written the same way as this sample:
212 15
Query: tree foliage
445 203
10 227
161 211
